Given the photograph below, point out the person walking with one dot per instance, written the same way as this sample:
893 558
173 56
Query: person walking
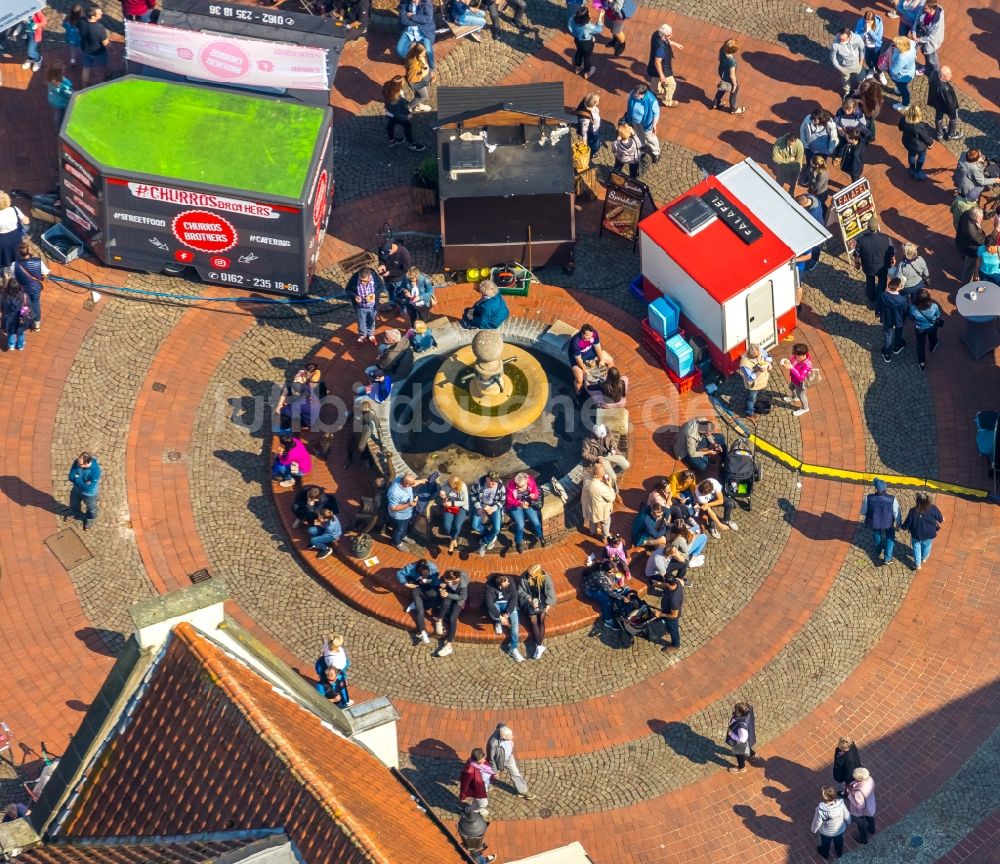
71 32
642 113
15 316
58 91
400 498
454 510
819 135
616 13
830 821
893 310
363 290
755 371
476 779
800 372
660 68
860 796
583 27
928 33
728 80
968 238
926 315
500 602
626 150
34 28
500 752
85 480
845 759
536 594
902 69
454 593
880 513
923 522
941 96
741 736
332 667
918 137
398 110
94 42
870 28
874 254
788 156
423 580
30 271
847 55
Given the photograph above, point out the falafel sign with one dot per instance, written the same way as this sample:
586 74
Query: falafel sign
226 59
851 208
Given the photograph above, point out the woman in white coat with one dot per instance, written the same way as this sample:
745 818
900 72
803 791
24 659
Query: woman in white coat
597 499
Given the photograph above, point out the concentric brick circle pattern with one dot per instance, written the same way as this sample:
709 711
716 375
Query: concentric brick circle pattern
619 741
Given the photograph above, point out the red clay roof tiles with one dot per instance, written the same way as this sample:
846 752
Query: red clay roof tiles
211 746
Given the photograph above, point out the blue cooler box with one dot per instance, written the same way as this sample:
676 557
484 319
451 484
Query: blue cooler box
680 357
664 316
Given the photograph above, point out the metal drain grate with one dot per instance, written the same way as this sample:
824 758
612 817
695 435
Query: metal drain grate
200 576
159 388
356 261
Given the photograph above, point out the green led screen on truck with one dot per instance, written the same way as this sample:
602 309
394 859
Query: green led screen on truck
197 134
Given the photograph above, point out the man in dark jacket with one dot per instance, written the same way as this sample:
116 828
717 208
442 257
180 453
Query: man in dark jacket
892 307
880 512
968 238
454 595
941 96
393 261
874 254
500 601
845 759
852 154
397 361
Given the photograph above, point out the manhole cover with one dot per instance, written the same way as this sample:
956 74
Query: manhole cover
916 841
174 456
68 548
159 388
200 576
545 813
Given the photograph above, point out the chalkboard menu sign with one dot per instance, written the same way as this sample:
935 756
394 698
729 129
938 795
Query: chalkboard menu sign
623 206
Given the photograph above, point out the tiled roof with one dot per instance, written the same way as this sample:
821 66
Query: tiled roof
187 852
212 746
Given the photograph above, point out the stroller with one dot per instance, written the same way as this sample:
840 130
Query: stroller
635 616
740 471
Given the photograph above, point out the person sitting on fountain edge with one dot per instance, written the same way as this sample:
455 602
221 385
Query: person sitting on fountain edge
489 311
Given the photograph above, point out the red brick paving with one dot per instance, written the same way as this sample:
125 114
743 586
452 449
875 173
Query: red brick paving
980 846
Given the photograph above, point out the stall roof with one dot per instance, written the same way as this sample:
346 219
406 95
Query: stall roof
759 191
459 104
715 258
195 134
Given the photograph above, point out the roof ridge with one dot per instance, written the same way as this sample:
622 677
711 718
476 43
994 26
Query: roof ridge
319 787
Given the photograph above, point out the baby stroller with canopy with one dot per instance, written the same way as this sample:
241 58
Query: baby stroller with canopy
740 471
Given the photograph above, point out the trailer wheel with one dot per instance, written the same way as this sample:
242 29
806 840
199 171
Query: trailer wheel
173 269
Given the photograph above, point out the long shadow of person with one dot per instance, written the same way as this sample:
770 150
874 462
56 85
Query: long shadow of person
25 495
766 827
434 771
693 746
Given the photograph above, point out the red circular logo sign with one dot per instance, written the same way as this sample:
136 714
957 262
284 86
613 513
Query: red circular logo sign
204 231
224 60
319 204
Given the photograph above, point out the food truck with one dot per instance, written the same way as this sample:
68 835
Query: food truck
725 253
163 176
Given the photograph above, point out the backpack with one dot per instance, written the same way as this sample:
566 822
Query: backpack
361 546
813 377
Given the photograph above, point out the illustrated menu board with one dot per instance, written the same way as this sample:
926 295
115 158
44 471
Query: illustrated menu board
851 208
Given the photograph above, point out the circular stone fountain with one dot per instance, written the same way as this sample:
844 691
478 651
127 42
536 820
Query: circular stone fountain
490 390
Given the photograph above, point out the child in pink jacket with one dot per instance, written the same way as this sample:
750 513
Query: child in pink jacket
798 368
292 462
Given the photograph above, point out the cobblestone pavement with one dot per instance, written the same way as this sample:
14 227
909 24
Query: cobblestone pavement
884 654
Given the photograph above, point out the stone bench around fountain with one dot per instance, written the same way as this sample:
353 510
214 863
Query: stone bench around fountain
548 338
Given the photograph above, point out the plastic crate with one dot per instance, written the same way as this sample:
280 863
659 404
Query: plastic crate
520 287
635 289
664 316
656 344
687 383
679 356
61 244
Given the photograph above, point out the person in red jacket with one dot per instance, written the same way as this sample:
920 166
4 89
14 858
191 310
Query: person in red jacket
476 778
145 11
